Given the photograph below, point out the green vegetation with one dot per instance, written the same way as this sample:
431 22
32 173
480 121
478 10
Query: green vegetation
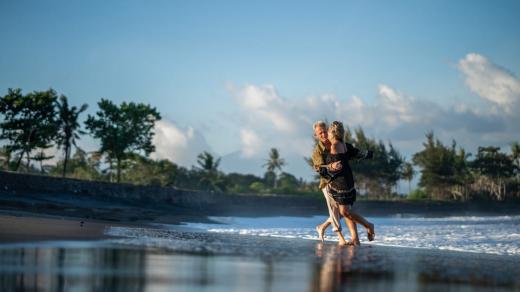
442 168
274 164
68 128
123 130
29 123
418 194
448 174
408 174
34 122
210 178
376 178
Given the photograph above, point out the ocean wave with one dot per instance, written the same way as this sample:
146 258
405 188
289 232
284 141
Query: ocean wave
490 234
471 219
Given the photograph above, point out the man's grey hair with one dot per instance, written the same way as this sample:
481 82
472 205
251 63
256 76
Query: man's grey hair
320 124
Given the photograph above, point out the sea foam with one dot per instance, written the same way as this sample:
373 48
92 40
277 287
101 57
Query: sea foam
492 234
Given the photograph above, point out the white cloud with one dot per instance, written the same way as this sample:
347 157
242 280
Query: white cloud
398 107
264 112
270 120
250 141
177 144
267 105
266 119
490 81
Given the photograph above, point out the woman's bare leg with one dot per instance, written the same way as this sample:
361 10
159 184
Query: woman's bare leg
342 240
361 220
352 227
344 211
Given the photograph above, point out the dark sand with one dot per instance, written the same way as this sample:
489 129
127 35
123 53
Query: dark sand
145 258
44 247
27 229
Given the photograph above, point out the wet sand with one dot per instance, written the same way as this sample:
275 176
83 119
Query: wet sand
120 247
27 229
52 254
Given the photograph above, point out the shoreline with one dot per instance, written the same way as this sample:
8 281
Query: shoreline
22 227
41 236
59 250
33 228
182 259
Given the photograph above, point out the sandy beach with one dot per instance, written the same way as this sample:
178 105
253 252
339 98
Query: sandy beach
27 229
66 241
58 254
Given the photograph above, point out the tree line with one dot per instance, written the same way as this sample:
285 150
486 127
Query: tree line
39 120
446 172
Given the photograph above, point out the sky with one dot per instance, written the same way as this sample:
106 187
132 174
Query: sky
237 78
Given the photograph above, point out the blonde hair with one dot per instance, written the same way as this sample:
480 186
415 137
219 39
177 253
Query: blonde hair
320 124
337 131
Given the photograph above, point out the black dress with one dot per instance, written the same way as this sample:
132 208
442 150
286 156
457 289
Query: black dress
341 185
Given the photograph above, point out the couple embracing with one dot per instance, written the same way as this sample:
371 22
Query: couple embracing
330 159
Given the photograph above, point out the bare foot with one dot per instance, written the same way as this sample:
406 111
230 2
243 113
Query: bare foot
320 232
371 233
350 243
354 242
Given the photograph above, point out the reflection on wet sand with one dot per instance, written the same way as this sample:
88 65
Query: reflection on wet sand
64 269
252 264
343 267
122 269
367 268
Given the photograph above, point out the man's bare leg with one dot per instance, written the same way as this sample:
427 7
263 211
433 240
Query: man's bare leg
333 219
321 229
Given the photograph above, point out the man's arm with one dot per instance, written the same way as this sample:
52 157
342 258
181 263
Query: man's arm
317 158
319 163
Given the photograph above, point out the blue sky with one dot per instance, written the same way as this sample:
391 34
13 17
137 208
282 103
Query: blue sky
239 77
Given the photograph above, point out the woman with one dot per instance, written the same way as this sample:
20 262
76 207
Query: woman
341 185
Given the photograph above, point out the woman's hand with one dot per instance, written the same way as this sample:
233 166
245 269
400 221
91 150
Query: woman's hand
335 166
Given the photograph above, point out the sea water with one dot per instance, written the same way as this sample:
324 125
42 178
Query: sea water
479 234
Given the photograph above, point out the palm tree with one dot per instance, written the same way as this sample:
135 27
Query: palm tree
69 128
207 162
274 162
40 157
408 174
211 179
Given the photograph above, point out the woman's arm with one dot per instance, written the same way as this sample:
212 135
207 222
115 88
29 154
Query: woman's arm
355 153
